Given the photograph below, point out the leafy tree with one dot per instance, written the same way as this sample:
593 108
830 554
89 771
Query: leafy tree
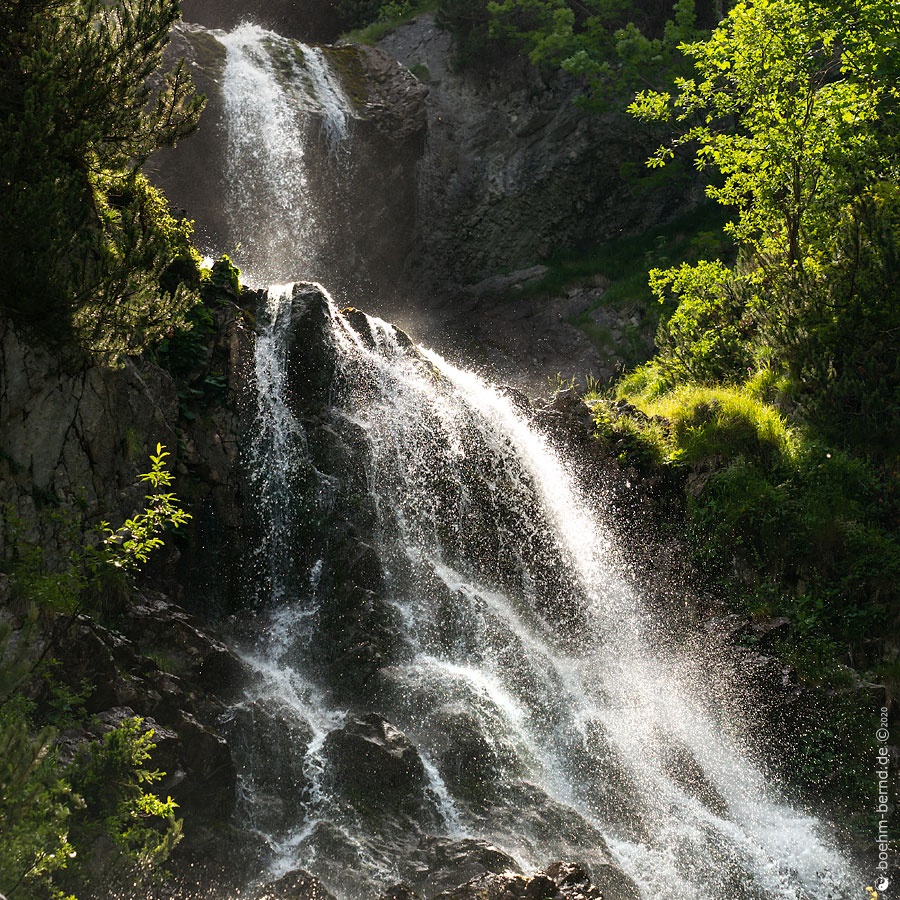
610 43
614 45
88 244
357 13
793 106
469 22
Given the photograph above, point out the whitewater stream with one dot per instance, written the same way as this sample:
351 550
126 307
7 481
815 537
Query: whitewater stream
547 721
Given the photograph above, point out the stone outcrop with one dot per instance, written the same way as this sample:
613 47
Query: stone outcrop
75 436
512 169
159 681
296 885
560 881
374 760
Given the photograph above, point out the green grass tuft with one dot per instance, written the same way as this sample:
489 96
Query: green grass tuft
375 31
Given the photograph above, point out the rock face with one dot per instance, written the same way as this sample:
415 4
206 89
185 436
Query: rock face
128 680
75 436
374 760
512 169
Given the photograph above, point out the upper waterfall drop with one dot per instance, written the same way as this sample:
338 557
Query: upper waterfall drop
336 118
523 671
274 89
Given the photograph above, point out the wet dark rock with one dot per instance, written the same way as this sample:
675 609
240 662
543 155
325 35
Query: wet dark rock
374 762
211 790
511 887
296 885
608 882
470 764
86 658
682 767
200 773
262 730
439 863
358 630
362 567
612 882
161 625
400 892
560 881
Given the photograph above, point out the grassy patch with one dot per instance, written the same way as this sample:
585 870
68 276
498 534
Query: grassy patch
696 423
786 524
396 15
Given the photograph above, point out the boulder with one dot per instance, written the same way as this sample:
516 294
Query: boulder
270 742
441 863
211 790
375 762
400 892
560 881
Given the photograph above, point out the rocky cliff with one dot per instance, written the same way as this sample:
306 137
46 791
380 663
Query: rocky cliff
512 168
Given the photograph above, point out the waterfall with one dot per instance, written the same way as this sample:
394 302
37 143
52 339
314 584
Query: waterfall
491 621
278 446
274 91
549 722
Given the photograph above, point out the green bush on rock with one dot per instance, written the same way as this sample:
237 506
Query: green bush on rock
62 824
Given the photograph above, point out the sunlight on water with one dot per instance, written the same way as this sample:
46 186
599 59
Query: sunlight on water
528 652
274 90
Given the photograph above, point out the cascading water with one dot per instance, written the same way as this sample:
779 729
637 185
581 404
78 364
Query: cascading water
547 721
275 89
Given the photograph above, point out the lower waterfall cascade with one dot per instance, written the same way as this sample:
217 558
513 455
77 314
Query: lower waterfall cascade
544 719
518 683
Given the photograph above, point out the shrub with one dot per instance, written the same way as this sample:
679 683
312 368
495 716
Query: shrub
55 819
